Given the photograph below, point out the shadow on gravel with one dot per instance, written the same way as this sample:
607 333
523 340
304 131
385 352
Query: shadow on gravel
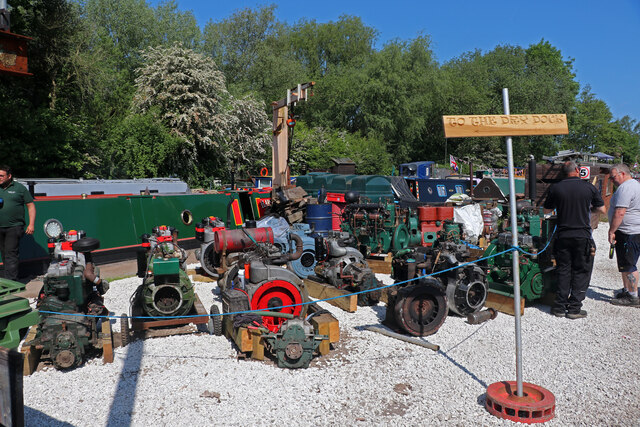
465 370
33 417
123 402
598 296
380 310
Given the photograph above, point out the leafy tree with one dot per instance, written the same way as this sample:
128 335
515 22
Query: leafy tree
322 48
40 134
313 148
190 95
141 147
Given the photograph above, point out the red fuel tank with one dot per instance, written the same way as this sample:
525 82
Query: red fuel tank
241 238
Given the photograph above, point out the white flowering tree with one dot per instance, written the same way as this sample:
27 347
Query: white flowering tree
190 93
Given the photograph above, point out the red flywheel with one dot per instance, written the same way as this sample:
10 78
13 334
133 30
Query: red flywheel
273 294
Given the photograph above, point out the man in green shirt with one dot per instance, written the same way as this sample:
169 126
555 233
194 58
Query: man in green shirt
14 197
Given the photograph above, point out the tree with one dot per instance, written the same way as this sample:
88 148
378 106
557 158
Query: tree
141 147
191 98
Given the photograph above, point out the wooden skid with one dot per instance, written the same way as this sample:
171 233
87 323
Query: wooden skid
142 325
107 342
380 265
502 303
249 341
199 275
31 353
322 290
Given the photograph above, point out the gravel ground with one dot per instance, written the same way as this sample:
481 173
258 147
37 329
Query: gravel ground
590 365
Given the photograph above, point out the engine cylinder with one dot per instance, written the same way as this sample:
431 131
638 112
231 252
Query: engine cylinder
243 238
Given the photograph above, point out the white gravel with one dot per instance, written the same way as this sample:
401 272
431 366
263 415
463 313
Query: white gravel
590 365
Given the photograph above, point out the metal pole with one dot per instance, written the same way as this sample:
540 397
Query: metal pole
516 254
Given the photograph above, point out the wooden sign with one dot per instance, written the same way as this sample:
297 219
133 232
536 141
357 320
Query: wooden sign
505 125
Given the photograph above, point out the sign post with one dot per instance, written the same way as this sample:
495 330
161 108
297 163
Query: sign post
501 400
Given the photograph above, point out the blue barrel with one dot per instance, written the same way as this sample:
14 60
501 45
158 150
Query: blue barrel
319 218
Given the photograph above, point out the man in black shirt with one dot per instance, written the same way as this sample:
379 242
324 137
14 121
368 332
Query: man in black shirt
574 199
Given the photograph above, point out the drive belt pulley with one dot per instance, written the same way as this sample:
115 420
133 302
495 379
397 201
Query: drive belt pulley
421 309
273 294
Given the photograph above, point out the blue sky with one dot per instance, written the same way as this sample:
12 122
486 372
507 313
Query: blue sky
603 37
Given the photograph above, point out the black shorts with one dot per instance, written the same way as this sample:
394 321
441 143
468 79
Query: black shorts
627 251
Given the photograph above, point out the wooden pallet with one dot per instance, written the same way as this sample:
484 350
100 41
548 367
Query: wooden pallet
503 304
157 328
250 342
33 353
199 275
380 264
322 290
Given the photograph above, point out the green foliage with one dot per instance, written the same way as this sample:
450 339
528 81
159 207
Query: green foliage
122 88
191 98
313 149
141 147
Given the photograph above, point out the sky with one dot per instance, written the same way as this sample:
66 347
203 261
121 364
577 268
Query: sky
603 37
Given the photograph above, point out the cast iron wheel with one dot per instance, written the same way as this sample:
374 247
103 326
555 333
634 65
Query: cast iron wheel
226 281
421 309
215 321
124 330
86 244
210 260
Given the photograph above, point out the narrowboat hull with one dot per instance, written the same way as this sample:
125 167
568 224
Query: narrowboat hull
118 221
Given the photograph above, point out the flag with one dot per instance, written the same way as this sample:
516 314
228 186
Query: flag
453 163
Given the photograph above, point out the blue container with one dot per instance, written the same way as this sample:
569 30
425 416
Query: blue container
319 218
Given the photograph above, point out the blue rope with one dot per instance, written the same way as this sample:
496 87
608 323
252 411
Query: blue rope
543 249
286 306
512 248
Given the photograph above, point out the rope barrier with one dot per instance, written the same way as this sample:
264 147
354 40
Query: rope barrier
511 249
285 306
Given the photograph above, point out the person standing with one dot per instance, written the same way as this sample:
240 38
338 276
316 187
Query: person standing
624 232
14 199
573 199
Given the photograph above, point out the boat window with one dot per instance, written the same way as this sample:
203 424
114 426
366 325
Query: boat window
187 217
459 189
442 191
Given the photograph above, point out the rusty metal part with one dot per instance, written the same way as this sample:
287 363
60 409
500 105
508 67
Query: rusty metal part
411 340
420 309
482 316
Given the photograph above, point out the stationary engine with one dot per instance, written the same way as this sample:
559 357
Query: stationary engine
205 233
274 294
344 267
536 271
380 227
72 285
305 265
217 243
166 289
420 307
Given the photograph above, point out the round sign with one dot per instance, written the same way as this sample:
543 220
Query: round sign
585 172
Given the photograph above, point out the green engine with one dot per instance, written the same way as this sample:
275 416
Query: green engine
15 314
380 227
72 285
166 289
537 275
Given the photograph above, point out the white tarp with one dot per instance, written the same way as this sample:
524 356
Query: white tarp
470 217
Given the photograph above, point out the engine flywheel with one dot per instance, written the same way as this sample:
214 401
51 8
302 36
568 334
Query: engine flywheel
421 309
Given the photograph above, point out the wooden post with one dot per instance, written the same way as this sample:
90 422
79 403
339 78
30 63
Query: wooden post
280 144
11 397
280 152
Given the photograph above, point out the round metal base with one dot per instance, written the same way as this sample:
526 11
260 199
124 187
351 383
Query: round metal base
537 404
